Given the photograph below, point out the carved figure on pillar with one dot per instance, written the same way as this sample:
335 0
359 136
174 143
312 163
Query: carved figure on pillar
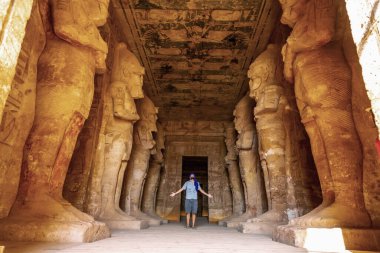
126 85
315 63
153 177
137 169
267 91
231 159
248 161
74 52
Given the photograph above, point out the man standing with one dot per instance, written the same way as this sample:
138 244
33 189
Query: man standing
191 203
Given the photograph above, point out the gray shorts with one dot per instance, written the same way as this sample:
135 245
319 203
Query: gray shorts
191 206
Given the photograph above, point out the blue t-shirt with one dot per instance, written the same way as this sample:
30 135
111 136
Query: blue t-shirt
191 192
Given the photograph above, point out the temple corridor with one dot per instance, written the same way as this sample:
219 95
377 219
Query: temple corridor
171 238
121 118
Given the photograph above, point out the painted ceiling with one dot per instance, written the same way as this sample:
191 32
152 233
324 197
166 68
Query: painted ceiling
196 52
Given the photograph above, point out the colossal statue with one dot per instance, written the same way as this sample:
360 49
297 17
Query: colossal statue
231 159
315 63
74 52
126 85
156 163
248 161
267 91
143 146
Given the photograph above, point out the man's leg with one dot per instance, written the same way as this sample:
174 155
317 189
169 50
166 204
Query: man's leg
194 217
188 219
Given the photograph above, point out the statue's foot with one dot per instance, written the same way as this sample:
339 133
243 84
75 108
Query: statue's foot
302 221
114 214
81 215
244 217
47 208
270 216
337 215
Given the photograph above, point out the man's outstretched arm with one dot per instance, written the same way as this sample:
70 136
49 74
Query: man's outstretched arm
205 193
175 193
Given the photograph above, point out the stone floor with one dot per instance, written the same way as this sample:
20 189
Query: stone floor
170 238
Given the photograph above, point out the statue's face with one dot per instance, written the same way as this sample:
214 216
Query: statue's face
135 82
292 11
258 74
152 119
238 121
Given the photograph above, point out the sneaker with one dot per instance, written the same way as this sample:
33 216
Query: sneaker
194 227
187 226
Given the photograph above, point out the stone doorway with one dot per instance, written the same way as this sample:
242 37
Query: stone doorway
199 166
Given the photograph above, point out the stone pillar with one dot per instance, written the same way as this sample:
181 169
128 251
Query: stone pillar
13 19
267 91
231 160
148 205
126 85
19 111
250 170
137 169
66 69
316 64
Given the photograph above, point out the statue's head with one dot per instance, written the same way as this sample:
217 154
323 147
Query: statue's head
97 11
243 114
127 69
292 11
264 69
148 113
160 142
230 140
146 126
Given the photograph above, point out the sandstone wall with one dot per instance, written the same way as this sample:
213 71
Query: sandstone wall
13 19
365 82
19 107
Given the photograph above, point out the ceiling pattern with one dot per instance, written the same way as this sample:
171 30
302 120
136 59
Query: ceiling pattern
196 52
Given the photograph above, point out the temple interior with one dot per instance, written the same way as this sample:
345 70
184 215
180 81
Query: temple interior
107 107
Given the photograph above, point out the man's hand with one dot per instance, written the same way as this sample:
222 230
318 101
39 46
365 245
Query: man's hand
172 194
210 196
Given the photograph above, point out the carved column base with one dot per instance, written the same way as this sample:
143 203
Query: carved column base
144 217
235 222
126 224
328 239
49 230
261 228
155 216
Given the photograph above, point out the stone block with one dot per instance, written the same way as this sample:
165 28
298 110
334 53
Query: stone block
329 239
127 224
262 228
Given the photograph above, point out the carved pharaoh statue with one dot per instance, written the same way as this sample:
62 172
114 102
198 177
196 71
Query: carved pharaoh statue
137 169
267 91
231 160
153 177
248 161
315 63
74 52
126 85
